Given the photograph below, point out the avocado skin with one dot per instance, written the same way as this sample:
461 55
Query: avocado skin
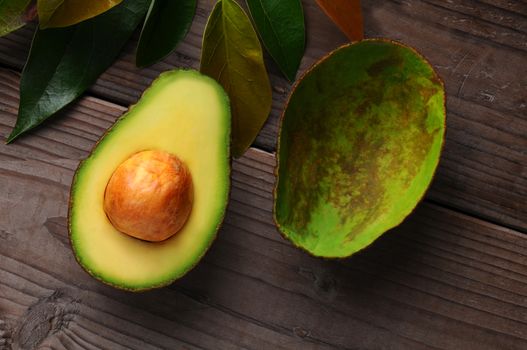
311 114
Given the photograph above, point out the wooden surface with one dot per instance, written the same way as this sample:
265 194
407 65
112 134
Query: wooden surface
452 276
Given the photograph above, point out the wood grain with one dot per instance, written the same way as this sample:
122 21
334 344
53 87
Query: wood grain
479 48
441 280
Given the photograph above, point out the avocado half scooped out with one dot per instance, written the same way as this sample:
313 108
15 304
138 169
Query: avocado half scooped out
359 144
180 125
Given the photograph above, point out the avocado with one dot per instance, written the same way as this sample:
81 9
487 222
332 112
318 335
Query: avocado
147 202
360 140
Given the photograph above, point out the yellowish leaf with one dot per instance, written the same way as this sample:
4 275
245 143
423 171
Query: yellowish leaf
233 56
63 13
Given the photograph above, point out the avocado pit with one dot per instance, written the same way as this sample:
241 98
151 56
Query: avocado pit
149 195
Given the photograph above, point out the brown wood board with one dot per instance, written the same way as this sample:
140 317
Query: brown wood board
440 280
445 278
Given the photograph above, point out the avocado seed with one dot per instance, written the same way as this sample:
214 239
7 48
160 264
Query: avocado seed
149 196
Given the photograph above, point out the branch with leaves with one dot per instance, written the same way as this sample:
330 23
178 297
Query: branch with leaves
77 40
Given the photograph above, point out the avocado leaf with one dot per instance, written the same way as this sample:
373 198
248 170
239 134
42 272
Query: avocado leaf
347 15
280 24
166 24
64 62
232 55
13 15
63 13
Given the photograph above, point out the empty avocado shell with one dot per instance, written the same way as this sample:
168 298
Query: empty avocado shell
360 140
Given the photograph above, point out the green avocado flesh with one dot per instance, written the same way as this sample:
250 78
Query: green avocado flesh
360 141
183 113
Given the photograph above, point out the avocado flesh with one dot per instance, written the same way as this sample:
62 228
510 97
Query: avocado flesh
183 113
359 144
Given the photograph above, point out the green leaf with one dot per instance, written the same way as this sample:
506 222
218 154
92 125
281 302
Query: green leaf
64 62
280 24
63 13
233 56
13 15
166 24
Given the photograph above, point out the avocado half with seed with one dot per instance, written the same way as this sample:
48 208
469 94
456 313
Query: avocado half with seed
360 140
147 202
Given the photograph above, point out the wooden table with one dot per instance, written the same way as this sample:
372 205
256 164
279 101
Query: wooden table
452 276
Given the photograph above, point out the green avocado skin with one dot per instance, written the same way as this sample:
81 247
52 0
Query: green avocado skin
360 141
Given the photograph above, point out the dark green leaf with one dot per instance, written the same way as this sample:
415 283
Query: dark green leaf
63 13
12 15
166 24
280 24
233 56
64 62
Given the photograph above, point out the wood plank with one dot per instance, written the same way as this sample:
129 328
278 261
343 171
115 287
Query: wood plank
479 48
440 280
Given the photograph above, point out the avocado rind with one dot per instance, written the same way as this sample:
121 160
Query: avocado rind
360 140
